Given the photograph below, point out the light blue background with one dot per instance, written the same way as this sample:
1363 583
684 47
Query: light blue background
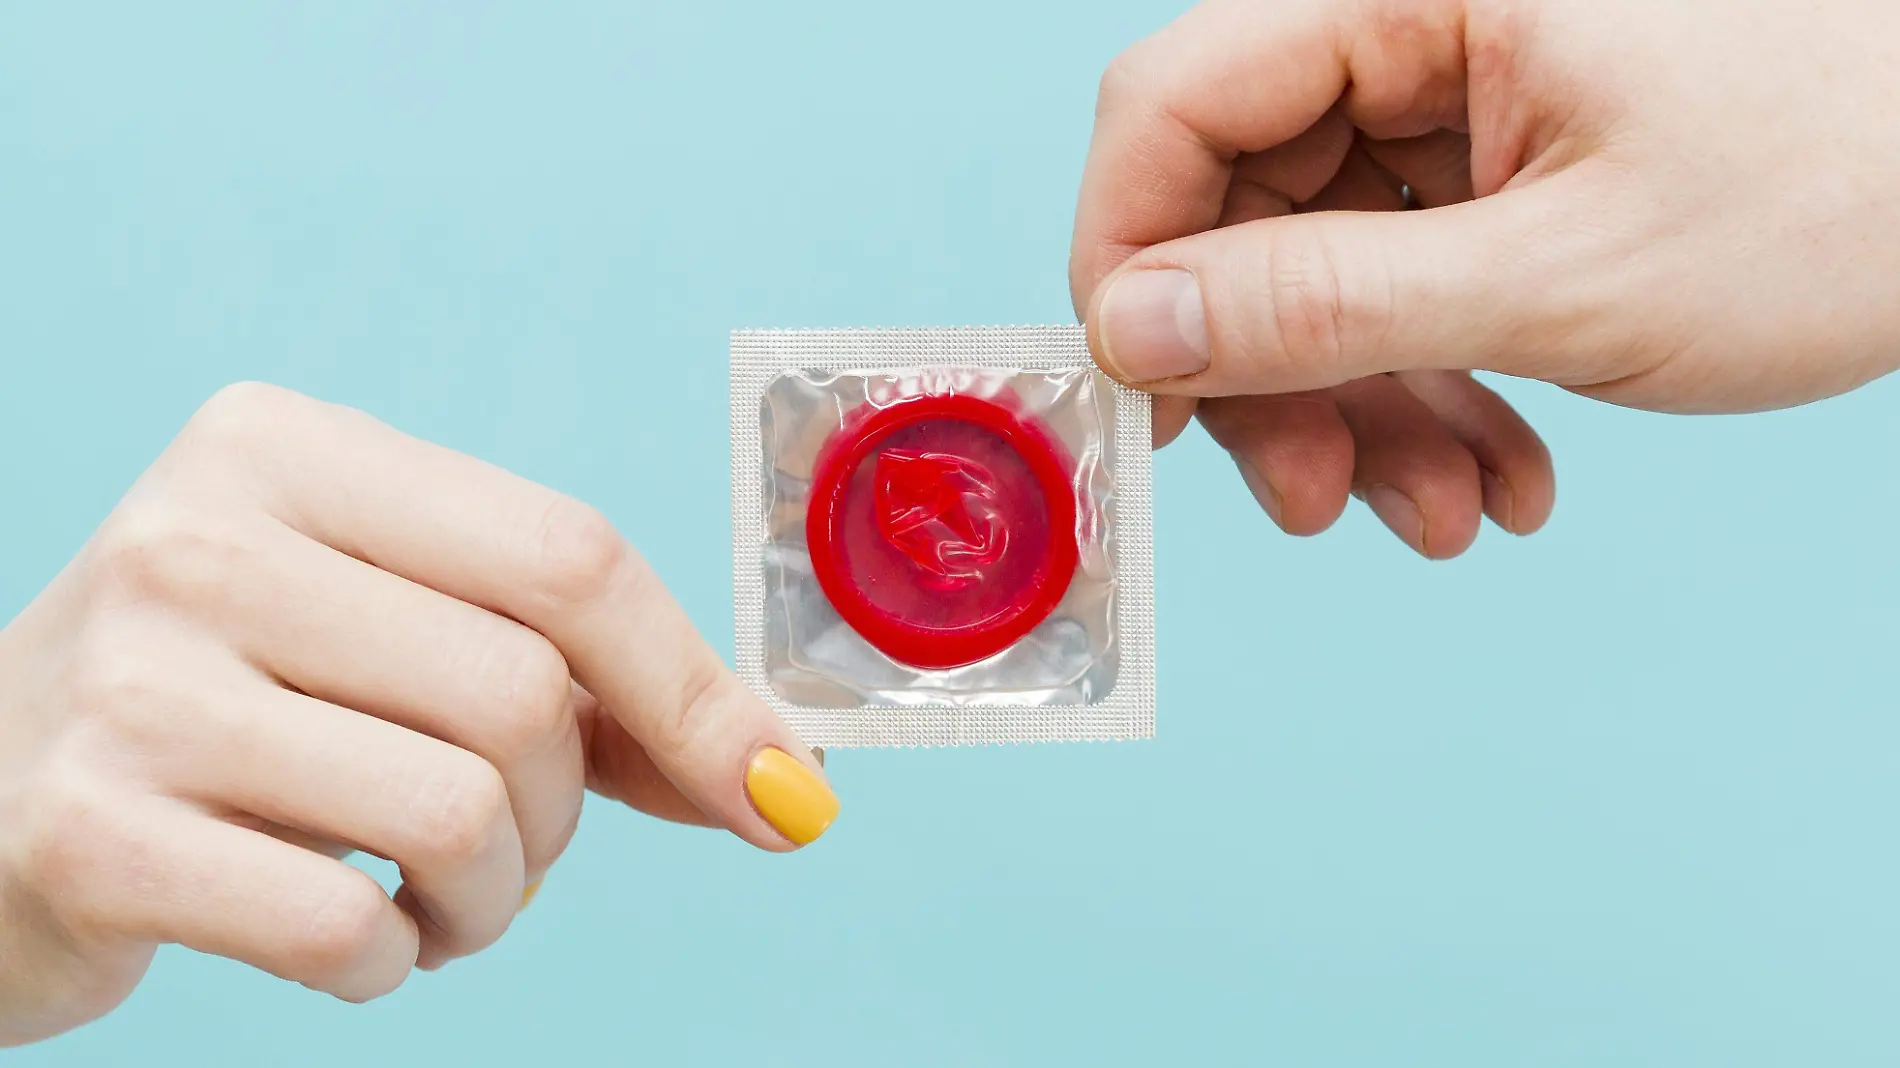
1624 793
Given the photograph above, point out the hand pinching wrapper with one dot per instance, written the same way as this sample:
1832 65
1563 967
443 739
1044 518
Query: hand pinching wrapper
941 537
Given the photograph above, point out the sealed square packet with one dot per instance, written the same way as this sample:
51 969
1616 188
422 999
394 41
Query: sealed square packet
941 536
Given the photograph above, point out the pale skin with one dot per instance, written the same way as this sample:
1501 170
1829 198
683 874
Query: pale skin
1684 207
304 633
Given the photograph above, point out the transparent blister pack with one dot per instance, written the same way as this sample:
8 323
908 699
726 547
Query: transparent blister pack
941 536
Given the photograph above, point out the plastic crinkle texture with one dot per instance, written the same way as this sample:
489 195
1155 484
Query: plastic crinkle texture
941 536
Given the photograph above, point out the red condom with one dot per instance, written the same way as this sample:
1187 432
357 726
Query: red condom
942 526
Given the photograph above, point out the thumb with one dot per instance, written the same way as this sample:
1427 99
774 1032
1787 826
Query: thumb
1306 302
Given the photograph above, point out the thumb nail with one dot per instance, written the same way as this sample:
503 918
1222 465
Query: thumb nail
1153 325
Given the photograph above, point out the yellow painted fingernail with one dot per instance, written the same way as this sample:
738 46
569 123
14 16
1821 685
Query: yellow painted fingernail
790 796
528 894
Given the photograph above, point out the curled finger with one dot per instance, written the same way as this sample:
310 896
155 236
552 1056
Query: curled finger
1293 450
1519 481
1409 469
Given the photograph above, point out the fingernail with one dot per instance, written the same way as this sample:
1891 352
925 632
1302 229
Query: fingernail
1153 325
528 894
1398 513
1262 490
791 797
1498 499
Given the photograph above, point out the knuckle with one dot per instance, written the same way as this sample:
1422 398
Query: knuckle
532 683
77 850
578 555
164 551
241 412
1118 83
115 681
254 433
343 931
1307 303
1134 80
459 810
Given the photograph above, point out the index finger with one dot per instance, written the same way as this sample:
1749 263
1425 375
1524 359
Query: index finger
1231 78
496 540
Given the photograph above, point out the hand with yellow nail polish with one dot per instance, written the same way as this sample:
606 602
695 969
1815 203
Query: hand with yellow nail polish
1310 220
303 633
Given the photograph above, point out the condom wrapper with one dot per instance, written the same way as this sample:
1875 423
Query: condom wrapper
941 536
